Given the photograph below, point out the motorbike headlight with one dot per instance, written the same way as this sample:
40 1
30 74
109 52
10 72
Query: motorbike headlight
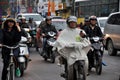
96 39
101 48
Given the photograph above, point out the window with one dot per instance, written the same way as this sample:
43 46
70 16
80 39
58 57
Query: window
114 19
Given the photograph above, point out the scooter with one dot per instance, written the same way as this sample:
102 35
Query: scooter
48 53
23 58
96 54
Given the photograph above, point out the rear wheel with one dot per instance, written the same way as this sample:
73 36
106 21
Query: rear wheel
111 50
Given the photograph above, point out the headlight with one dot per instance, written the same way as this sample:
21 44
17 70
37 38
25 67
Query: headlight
101 48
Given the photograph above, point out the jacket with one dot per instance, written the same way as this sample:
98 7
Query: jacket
9 38
93 32
71 49
48 28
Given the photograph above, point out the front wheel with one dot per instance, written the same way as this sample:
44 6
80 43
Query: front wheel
52 57
99 63
22 67
111 50
11 72
80 73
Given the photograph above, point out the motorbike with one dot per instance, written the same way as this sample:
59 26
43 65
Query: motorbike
32 33
96 54
23 58
50 41
76 72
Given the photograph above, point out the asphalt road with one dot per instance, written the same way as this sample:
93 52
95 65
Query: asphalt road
38 69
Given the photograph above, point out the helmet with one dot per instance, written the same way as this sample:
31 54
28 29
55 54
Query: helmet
93 18
72 18
23 18
48 18
86 19
30 19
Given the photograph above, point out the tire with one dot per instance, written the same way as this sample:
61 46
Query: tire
98 64
11 72
21 67
111 50
52 57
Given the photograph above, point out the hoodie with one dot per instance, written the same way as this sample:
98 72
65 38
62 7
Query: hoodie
12 37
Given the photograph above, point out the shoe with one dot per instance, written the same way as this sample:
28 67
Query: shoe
64 75
30 59
88 74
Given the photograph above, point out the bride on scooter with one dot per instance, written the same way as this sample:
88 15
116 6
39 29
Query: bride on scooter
72 46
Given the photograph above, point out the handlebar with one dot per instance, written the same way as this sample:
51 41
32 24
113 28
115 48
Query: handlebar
10 47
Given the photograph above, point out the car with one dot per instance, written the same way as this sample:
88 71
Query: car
112 34
36 17
57 17
59 24
101 22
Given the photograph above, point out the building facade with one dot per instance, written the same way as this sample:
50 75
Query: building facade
99 8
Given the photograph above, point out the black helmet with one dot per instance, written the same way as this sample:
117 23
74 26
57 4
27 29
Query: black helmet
86 19
30 19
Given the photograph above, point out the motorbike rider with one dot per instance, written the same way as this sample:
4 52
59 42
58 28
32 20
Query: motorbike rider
23 23
86 23
32 25
47 28
66 39
10 35
92 31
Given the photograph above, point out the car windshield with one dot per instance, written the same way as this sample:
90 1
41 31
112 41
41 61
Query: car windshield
35 17
59 24
102 22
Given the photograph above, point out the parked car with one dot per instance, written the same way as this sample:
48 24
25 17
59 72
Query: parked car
36 17
112 33
59 24
101 22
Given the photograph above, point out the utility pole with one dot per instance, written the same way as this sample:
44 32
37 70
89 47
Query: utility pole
73 7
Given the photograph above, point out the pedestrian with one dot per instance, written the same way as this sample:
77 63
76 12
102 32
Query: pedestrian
10 35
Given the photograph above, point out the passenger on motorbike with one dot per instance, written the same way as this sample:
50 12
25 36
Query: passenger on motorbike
10 35
93 31
47 28
69 47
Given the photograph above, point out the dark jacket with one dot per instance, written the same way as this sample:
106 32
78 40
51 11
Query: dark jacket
93 32
48 28
24 25
9 38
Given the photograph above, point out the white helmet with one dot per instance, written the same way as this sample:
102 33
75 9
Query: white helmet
72 18
23 17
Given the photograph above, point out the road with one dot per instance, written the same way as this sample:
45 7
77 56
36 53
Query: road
38 69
